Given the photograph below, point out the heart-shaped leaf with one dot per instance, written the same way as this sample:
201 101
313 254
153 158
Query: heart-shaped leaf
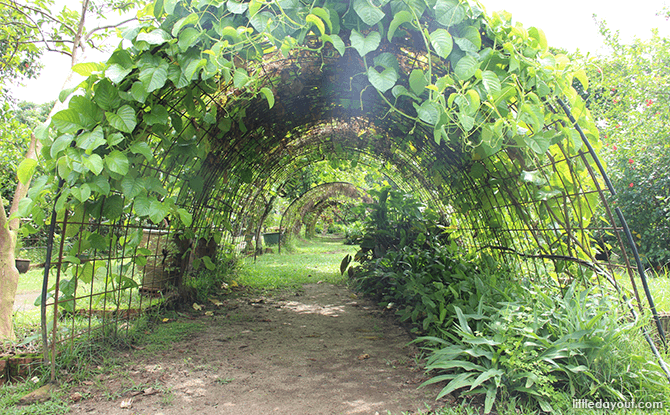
383 81
365 44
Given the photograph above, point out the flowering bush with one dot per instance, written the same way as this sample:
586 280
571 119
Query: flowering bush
632 110
643 194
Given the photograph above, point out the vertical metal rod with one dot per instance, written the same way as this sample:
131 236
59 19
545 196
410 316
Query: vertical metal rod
45 279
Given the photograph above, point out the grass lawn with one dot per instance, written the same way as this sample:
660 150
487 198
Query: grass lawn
305 261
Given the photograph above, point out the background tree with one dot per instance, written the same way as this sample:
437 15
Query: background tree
27 30
628 96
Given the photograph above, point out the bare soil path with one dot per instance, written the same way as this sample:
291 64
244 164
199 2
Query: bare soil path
321 350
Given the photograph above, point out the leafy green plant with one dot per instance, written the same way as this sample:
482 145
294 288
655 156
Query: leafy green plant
543 347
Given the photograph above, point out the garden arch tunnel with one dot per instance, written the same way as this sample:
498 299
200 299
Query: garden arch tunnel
216 105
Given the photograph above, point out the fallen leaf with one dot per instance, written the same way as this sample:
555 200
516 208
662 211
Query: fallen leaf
209 313
165 320
216 302
150 391
126 404
197 307
364 356
76 397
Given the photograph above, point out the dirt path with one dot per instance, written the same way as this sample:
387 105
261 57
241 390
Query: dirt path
319 351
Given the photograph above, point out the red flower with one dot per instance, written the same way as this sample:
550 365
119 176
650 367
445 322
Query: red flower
630 185
649 102
630 161
614 147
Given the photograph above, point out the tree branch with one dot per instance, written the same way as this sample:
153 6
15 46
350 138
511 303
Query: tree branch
18 8
114 26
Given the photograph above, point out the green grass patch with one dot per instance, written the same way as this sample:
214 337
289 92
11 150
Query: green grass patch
659 286
308 261
31 281
162 336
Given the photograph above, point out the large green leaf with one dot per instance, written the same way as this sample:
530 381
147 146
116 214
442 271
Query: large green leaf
117 162
107 95
185 217
269 96
469 40
91 140
449 12
442 42
491 83
158 115
236 7
382 81
67 121
87 68
539 142
418 81
123 120
240 78
365 44
94 163
158 211
26 170
190 19
429 112
141 147
316 21
368 12
155 37
60 144
337 42
113 207
142 205
401 17
466 67
188 38
154 77
132 186
116 73
533 115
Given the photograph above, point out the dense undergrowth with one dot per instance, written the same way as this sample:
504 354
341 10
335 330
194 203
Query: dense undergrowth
490 331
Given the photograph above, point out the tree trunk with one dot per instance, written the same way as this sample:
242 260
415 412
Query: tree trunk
9 277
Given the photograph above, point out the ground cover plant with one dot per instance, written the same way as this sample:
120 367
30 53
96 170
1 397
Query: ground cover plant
489 331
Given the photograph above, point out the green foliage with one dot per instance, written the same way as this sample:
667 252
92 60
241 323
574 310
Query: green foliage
16 123
209 280
119 116
396 220
540 346
19 57
626 97
491 333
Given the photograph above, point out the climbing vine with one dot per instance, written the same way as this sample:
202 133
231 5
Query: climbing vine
179 86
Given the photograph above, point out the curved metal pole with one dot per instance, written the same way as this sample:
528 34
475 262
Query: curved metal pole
624 224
